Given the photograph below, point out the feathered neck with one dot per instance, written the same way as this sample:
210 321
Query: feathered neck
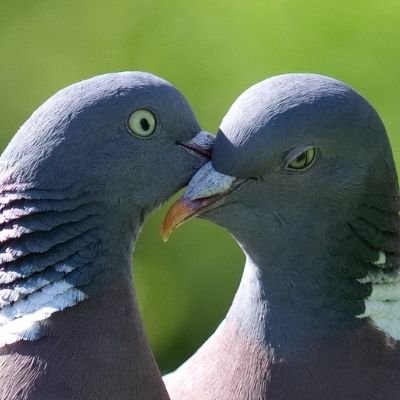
69 322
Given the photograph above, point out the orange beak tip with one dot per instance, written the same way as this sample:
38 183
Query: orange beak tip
176 216
166 232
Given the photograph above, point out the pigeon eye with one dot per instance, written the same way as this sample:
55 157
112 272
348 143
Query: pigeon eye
303 160
142 123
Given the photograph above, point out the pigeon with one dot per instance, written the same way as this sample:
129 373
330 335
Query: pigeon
302 175
76 183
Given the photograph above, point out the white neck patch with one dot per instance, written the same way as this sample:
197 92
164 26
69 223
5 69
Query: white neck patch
382 307
24 319
49 250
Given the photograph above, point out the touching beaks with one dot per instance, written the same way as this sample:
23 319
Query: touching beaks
206 190
202 144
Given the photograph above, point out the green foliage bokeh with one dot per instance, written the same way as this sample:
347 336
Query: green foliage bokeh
211 50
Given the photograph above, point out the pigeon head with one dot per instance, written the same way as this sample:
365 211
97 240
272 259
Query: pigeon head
120 135
302 175
292 144
76 182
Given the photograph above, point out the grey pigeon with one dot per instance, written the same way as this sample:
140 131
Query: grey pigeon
302 175
76 183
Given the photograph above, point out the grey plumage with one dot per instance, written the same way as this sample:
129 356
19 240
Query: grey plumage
76 183
302 175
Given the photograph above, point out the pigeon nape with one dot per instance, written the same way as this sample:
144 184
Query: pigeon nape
76 182
302 175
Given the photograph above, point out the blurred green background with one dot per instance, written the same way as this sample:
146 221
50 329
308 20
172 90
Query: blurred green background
211 50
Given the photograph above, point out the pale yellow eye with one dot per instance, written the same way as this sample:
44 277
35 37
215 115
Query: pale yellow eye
142 123
304 159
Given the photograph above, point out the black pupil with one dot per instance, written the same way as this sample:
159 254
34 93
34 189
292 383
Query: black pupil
144 124
302 158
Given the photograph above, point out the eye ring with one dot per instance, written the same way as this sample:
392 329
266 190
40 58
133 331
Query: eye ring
142 123
301 161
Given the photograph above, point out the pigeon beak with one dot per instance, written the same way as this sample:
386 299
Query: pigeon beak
201 144
206 190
